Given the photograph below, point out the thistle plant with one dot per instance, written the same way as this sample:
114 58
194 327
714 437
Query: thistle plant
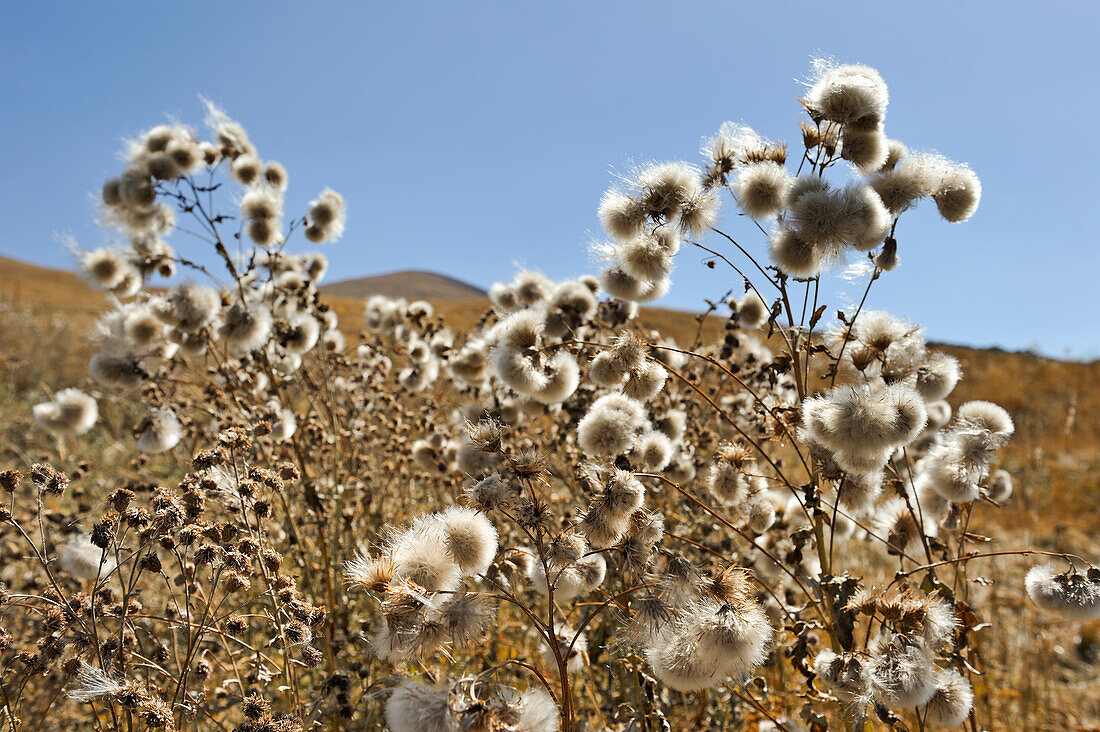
555 519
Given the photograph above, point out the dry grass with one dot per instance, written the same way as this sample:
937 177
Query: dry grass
1043 674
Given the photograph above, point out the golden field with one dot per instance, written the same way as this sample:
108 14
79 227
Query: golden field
1043 673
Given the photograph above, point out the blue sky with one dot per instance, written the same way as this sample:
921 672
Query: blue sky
469 138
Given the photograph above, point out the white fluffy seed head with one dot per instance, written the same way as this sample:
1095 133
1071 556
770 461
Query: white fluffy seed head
621 216
1000 486
469 364
951 702
591 571
731 143
520 330
537 712
958 194
69 414
160 431
275 175
673 657
517 370
794 254
618 283
986 416
301 333
601 526
645 382
563 375
264 232
761 189
902 532
504 297
913 178
421 554
859 491
142 329
657 290
417 707
470 538
820 215
663 188
737 635
939 414
245 327
624 493
93 683
284 426
1071 594
761 515
654 450
950 473
261 203
532 287
867 222
611 426
844 675
644 258
82 559
752 311
246 169
333 341
709 641
887 258
116 371
940 622
673 423
896 150
868 150
852 95
106 268
190 308
699 211
902 675
576 301
937 377
606 370
862 425
326 217
727 483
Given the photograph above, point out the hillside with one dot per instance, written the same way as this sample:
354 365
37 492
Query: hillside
41 288
410 284
1056 404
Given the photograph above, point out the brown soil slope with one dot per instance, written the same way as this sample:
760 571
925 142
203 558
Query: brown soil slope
409 284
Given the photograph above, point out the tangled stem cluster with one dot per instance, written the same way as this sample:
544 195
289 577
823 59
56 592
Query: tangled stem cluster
553 519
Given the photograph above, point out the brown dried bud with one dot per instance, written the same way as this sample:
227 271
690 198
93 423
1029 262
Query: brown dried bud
254 706
271 559
209 458
235 582
235 439
103 533
236 625
9 479
120 499
289 471
311 657
49 480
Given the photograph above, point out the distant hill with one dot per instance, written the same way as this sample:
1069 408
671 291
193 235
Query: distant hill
58 291
410 284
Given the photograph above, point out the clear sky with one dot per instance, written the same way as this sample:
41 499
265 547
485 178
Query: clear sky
472 137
